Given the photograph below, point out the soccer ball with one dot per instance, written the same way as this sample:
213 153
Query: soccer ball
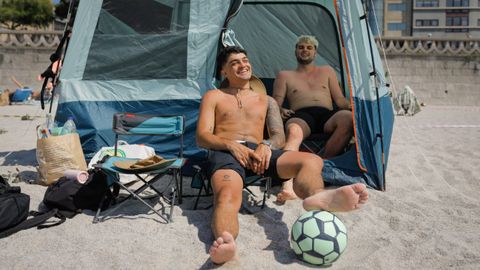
318 237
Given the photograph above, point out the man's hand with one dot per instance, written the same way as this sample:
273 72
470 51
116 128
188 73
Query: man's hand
265 153
246 156
286 113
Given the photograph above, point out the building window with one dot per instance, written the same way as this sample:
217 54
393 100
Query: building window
458 3
478 22
426 3
396 26
397 7
456 18
426 22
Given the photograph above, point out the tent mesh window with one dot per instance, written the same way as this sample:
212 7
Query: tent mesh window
134 40
268 31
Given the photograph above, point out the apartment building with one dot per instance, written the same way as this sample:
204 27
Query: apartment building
397 16
446 18
375 16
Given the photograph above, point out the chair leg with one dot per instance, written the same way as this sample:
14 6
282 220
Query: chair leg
268 184
180 190
198 195
206 185
96 218
178 186
172 204
249 191
135 195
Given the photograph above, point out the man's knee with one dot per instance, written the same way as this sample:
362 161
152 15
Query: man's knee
294 132
347 119
343 122
312 162
347 124
229 197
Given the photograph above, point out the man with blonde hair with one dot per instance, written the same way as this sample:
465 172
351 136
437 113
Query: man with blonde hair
311 91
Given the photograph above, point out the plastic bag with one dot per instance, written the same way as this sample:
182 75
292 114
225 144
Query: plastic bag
139 151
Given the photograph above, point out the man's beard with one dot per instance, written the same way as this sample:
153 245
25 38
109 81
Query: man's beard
304 61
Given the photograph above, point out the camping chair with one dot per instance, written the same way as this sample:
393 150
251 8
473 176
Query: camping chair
147 125
201 182
315 143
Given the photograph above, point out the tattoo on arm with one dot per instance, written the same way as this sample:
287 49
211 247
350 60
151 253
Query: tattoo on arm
275 125
226 177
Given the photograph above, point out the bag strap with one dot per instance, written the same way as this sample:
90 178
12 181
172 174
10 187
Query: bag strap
37 220
57 213
6 188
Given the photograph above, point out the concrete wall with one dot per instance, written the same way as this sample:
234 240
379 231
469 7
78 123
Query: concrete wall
438 80
25 64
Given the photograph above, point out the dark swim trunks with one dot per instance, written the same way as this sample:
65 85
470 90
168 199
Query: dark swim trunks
225 160
315 117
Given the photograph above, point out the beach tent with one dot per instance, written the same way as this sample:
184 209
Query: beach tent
154 56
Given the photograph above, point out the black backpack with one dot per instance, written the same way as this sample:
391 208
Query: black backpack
65 198
14 211
71 197
14 205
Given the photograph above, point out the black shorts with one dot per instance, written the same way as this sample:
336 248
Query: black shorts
218 160
315 117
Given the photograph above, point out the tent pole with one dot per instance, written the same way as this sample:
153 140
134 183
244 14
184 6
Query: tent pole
66 40
374 74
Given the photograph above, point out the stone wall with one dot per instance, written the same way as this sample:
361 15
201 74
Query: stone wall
438 80
25 64
440 71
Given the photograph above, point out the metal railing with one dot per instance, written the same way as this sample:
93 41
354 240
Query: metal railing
392 45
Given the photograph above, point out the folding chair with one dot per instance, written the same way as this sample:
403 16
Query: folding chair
200 181
315 143
147 125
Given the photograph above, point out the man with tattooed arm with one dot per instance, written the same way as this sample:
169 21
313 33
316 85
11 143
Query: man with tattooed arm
231 125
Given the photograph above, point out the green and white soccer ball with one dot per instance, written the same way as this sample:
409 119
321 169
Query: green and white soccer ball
318 237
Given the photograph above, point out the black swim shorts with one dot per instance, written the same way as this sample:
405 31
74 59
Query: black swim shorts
225 160
315 117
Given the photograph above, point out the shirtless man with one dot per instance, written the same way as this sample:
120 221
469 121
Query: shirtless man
230 125
310 91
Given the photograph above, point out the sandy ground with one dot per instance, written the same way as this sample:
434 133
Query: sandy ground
429 217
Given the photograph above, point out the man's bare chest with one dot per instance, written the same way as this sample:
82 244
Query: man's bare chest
236 108
308 85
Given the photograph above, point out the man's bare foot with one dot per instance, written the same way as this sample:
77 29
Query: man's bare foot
223 249
285 195
342 199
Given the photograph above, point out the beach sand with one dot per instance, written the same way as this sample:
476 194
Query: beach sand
428 218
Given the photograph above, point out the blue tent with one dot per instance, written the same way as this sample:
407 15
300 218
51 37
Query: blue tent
158 56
